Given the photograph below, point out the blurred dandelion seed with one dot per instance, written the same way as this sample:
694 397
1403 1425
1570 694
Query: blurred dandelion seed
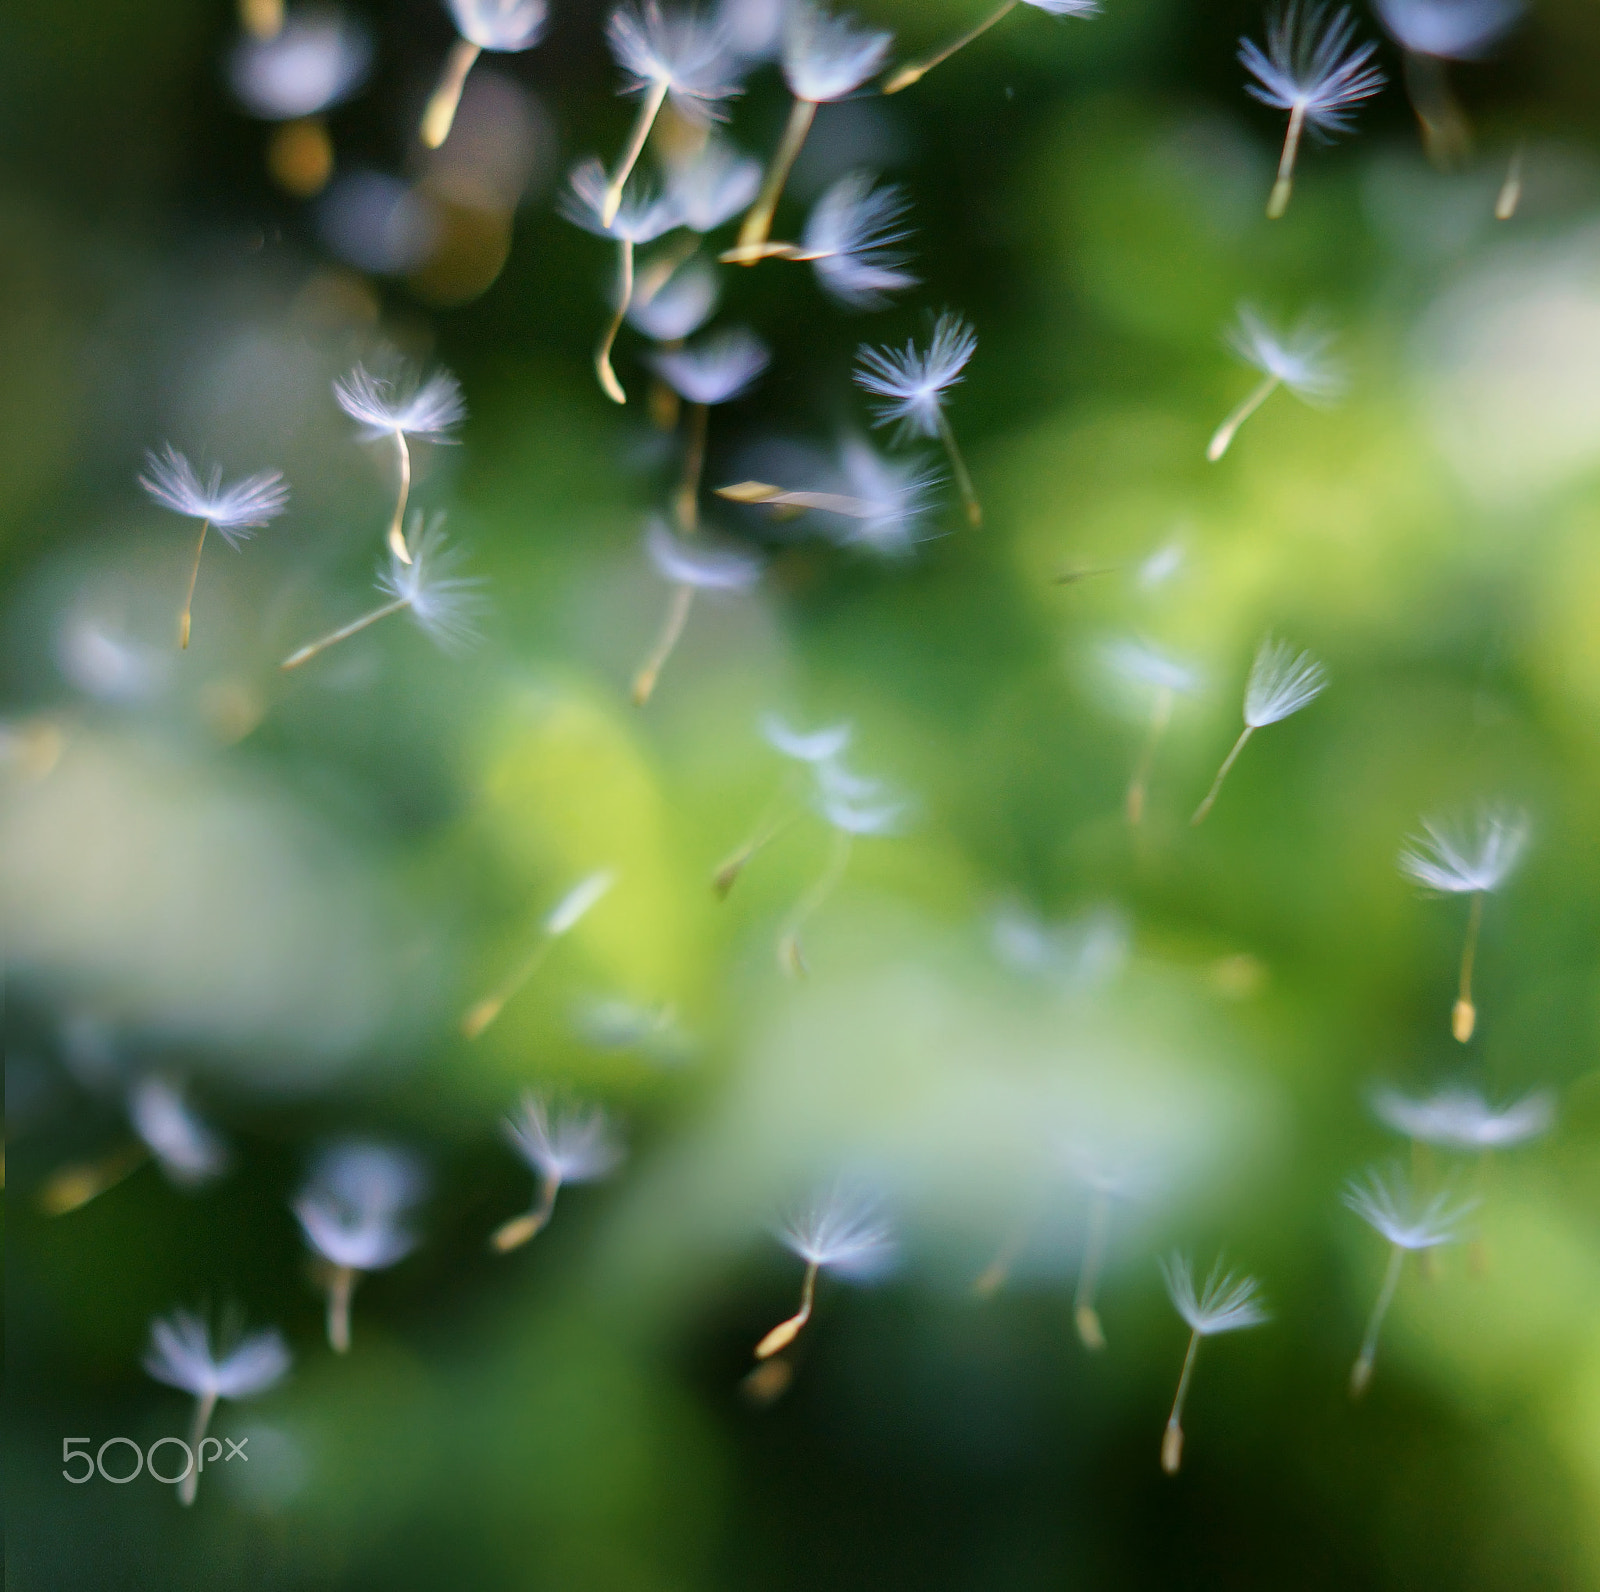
578 1145
713 185
1311 68
912 384
235 511
1282 681
1297 360
681 57
352 1210
1461 1119
1138 664
562 918
445 605
189 1151
401 408
1477 863
841 1230
915 71
825 57
503 26
1224 1303
1388 1204
1510 195
181 1355
689 569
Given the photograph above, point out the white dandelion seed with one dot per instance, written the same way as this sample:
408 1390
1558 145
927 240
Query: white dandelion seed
401 408
1461 1119
1297 360
688 569
558 922
641 217
1106 1181
683 57
716 370
843 1229
445 605
852 239
669 306
505 27
353 1211
1282 681
1147 668
185 1146
182 1356
821 745
235 510
1313 69
1455 861
1388 1203
309 64
1223 1303
915 71
578 1145
714 186
825 57
912 383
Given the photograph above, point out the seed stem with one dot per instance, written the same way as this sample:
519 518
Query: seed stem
915 71
1172 1439
1464 1015
786 1332
72 1187
479 1017
1361 1371
644 682
758 219
1222 773
1278 200
1222 437
1446 134
959 465
789 957
194 575
189 1482
602 355
521 1228
1147 756
649 109
311 649
1510 196
341 1285
440 116
771 825
1084 1315
687 503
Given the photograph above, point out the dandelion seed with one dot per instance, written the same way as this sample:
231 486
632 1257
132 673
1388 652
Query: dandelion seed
912 384
675 305
642 217
1144 667
852 239
1461 1119
1297 360
825 57
714 186
1387 1203
683 58
841 1230
504 27
1282 681
353 1210
181 1355
445 605
1429 33
1510 195
851 806
560 1147
308 64
560 921
915 71
235 510
401 408
188 1150
1224 1303
716 370
1455 862
689 569
1311 68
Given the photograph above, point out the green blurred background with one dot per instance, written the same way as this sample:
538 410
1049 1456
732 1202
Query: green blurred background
288 888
